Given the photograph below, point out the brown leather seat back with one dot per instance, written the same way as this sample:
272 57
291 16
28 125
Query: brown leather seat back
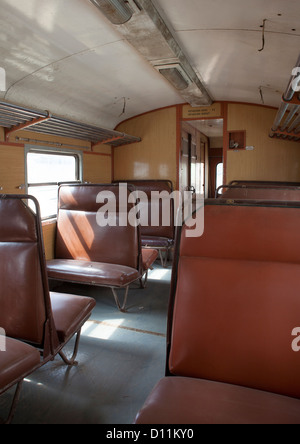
22 306
276 193
153 222
79 235
237 299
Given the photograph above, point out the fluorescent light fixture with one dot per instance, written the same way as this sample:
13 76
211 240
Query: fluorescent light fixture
117 11
176 75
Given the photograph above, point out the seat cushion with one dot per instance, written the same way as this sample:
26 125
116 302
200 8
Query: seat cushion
149 256
177 400
69 313
16 362
94 273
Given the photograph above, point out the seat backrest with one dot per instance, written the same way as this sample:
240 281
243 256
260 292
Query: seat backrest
275 193
264 183
157 209
235 299
79 235
24 295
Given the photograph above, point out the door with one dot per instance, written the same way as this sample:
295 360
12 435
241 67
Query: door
189 162
192 160
184 176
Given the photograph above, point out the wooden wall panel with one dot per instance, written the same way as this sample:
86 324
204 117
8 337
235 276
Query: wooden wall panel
155 156
271 159
49 233
12 169
97 168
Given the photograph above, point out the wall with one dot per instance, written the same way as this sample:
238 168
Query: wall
156 156
97 167
153 158
271 159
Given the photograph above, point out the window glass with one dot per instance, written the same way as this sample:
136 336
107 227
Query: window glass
219 176
42 167
44 172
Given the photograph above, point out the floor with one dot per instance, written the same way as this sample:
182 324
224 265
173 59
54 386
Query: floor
121 357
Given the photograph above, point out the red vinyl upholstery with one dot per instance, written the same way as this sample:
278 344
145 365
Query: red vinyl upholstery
159 235
259 192
108 256
17 362
29 313
235 304
26 309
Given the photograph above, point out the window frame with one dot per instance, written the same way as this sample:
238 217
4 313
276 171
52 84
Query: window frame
78 155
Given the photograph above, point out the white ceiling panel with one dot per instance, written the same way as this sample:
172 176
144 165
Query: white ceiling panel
234 69
66 57
230 14
94 92
223 39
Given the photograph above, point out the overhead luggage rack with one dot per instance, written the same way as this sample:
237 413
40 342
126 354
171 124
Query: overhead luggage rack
15 118
287 122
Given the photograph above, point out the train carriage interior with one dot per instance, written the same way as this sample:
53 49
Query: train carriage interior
149 212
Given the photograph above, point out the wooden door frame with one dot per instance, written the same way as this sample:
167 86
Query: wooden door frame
179 119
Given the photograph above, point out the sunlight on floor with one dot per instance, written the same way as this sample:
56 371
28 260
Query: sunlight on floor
33 382
101 329
160 275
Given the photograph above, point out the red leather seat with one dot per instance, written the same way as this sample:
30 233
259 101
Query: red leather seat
95 273
159 235
28 312
234 304
198 401
107 256
17 361
258 192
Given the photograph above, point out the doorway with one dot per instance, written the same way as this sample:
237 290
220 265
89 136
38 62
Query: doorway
201 157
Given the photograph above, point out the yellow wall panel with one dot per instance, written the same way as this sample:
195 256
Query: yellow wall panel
155 156
12 169
49 233
97 168
271 159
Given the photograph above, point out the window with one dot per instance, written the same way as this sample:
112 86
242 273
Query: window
219 176
45 171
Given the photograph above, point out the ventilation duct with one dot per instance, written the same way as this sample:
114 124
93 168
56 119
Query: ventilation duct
148 33
116 11
175 75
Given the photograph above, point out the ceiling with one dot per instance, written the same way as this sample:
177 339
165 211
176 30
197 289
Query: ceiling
209 127
64 56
